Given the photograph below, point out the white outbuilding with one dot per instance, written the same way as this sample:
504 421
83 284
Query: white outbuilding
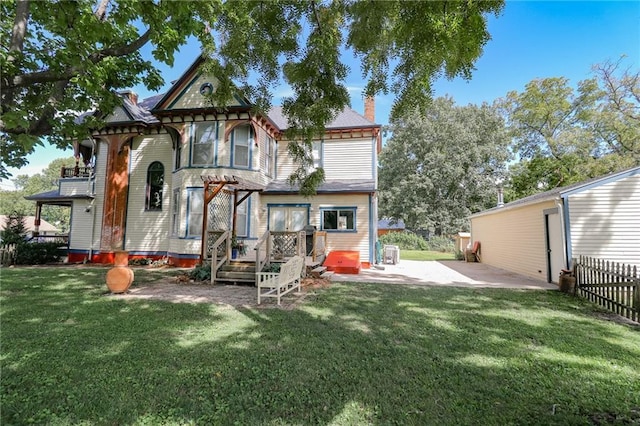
537 236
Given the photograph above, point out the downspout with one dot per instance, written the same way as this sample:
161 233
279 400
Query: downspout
91 191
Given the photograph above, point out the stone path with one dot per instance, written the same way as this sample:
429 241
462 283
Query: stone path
171 290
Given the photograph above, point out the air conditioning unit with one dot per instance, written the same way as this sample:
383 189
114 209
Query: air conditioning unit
391 255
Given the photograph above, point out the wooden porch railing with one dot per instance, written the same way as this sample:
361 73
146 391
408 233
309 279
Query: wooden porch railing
279 247
70 172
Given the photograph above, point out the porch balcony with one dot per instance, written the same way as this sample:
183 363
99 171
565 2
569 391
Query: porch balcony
76 172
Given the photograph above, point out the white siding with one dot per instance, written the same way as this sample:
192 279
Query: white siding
514 239
605 221
356 241
80 232
284 163
82 221
76 186
341 159
348 159
148 231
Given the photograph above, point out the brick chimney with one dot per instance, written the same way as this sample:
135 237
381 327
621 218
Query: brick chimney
370 108
131 95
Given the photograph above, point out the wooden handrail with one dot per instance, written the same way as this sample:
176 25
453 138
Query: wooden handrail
215 265
260 264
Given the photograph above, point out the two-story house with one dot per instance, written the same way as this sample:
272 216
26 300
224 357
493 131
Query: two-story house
168 171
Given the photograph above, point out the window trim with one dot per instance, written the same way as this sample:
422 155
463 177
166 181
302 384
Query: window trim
148 188
337 209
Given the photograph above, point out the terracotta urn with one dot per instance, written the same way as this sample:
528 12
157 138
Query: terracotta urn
120 277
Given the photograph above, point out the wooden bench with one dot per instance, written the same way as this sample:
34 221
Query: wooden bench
278 284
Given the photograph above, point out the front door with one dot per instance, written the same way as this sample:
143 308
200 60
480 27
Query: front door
286 218
555 248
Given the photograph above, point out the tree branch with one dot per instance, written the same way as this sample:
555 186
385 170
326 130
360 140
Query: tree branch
101 11
42 126
49 76
19 27
16 45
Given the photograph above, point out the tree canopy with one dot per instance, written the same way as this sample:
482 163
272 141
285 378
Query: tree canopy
563 135
441 166
65 57
13 201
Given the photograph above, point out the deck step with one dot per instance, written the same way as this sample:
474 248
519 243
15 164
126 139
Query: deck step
327 274
318 271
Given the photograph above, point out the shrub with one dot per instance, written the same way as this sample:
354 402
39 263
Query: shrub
39 253
405 240
138 261
441 244
273 267
201 272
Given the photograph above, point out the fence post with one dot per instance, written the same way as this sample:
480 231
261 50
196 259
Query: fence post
636 295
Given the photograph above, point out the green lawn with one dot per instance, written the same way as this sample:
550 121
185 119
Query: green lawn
425 255
353 354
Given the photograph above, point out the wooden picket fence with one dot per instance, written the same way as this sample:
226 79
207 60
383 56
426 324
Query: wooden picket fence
7 254
613 286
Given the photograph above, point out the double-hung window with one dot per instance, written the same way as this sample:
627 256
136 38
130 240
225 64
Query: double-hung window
338 219
175 213
242 216
178 155
241 146
195 203
316 154
204 136
270 157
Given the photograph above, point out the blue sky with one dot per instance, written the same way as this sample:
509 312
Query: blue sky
530 39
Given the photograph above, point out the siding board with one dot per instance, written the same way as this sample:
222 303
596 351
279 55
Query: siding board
514 239
148 230
605 222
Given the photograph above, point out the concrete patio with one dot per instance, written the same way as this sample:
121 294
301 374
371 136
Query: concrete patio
451 273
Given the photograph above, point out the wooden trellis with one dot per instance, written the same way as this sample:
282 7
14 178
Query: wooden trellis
213 185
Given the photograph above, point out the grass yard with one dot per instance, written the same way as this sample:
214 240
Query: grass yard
425 255
353 354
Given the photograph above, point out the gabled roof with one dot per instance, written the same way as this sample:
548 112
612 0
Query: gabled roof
563 191
346 119
140 113
328 187
143 112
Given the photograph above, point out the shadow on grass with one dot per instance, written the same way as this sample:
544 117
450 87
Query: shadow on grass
354 354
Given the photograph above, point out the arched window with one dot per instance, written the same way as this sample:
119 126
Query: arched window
155 180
